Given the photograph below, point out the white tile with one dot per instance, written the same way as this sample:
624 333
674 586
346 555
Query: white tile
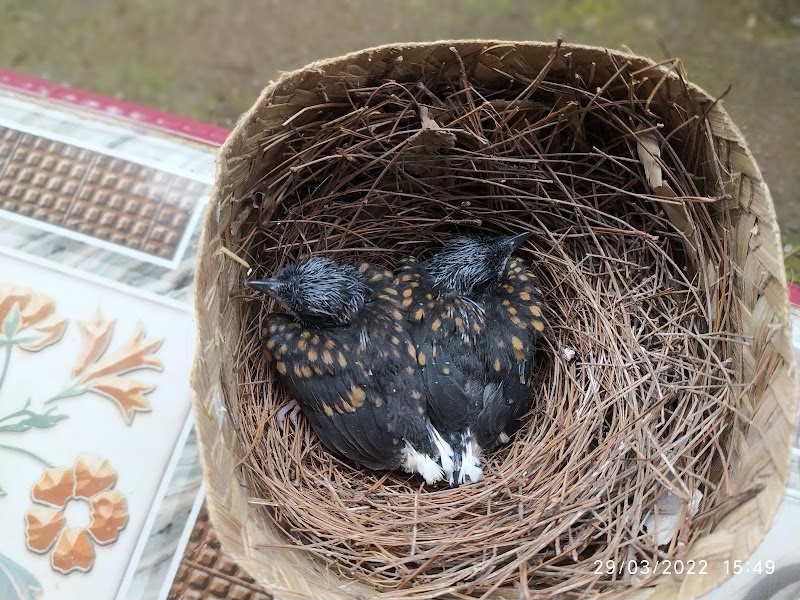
140 452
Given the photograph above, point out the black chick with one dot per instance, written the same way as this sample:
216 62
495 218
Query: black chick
474 315
346 356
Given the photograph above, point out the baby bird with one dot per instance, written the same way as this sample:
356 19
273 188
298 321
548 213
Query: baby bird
345 354
474 316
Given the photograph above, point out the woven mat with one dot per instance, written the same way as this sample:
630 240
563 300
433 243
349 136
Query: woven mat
205 573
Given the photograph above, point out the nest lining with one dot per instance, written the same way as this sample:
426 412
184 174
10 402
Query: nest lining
634 387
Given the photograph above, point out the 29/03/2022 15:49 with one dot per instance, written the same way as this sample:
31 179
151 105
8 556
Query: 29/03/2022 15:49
680 567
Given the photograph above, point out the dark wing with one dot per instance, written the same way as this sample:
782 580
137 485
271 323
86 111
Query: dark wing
452 387
405 394
433 334
516 319
357 431
519 299
333 386
394 359
505 402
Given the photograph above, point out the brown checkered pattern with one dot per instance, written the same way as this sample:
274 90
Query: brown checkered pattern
206 574
98 195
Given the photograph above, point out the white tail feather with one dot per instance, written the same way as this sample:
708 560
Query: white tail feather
414 462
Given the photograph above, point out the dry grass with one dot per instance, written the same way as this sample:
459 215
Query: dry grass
644 408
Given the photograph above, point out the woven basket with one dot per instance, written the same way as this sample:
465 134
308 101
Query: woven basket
244 528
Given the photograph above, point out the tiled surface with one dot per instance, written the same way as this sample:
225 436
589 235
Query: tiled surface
116 388
101 196
99 474
160 554
205 573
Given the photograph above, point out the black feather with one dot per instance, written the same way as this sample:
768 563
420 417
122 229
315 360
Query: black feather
470 313
344 354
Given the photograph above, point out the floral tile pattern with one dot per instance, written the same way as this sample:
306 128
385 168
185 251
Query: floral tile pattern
92 403
98 472
90 480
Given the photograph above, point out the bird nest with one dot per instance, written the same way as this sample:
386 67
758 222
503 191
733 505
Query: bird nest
658 375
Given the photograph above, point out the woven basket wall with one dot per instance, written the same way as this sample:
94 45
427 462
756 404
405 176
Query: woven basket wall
762 311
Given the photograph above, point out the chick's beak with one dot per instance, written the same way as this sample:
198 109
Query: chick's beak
267 286
515 241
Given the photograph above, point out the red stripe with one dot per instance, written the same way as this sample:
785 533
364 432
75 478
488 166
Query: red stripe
189 128
794 293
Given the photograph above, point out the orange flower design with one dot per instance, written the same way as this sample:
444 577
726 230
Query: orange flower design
101 373
29 317
90 479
